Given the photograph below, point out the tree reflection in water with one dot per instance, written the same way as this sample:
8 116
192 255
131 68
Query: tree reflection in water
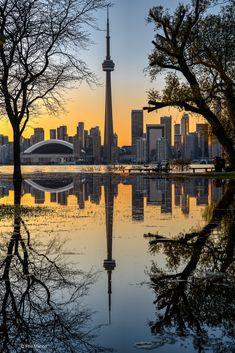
41 296
195 292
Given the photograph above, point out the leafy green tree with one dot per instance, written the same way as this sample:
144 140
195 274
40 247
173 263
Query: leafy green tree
41 57
196 46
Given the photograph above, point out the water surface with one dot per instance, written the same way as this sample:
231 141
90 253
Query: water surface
127 263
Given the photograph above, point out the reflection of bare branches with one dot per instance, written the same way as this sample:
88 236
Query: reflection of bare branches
199 295
41 296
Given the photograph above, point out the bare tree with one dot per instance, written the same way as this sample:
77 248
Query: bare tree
41 56
42 295
196 47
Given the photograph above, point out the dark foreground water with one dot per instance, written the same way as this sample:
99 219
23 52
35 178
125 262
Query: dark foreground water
96 262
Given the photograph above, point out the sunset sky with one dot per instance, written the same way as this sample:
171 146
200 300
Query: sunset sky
131 39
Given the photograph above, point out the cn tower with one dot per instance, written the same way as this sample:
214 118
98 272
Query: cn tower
108 66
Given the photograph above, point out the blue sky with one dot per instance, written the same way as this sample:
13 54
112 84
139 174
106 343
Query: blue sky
131 38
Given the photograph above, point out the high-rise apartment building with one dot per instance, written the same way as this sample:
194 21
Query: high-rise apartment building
80 133
38 135
52 134
62 133
137 118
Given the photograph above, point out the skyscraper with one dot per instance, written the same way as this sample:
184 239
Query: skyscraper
167 121
141 150
136 128
80 133
108 66
38 134
177 141
153 131
96 144
184 133
86 140
202 133
190 146
185 125
78 141
62 133
161 149
52 134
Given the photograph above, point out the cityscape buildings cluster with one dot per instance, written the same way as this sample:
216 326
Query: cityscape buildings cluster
158 144
85 146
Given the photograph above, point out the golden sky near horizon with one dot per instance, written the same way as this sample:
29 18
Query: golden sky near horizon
87 105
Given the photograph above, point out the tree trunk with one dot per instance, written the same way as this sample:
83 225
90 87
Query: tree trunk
231 158
17 192
16 154
227 144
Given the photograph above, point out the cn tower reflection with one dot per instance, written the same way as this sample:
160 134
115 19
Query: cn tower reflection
109 263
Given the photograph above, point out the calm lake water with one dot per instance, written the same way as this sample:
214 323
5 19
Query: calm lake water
131 264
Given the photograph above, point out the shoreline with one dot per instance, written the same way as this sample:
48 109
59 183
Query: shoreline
72 174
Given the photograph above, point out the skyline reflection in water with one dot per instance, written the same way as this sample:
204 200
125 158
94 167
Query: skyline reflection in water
162 192
103 219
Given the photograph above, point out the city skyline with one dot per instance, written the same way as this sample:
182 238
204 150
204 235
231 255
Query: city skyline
129 82
154 143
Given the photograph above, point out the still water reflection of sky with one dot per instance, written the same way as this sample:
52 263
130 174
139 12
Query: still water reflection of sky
103 220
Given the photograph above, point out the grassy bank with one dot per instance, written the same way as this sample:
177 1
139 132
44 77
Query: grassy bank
61 175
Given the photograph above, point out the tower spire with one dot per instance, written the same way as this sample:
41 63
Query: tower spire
107 36
108 66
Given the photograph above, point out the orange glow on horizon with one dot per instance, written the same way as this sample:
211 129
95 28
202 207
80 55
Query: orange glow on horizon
87 105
